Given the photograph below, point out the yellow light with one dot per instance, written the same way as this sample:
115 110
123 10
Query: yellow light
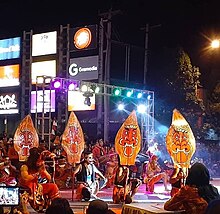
82 38
215 44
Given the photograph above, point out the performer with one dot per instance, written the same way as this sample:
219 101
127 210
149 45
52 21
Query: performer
125 186
99 154
153 174
34 170
86 172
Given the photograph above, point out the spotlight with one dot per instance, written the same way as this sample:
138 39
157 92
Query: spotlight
121 106
129 93
139 95
57 84
87 101
116 91
72 86
87 96
142 108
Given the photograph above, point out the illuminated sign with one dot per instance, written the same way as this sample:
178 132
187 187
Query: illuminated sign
10 48
76 101
83 38
43 68
44 43
9 103
9 75
84 68
48 99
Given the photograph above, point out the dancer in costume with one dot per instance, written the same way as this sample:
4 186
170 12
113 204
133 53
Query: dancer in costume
153 174
32 172
87 183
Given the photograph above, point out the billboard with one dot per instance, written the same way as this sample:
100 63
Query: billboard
9 75
84 68
10 48
76 101
37 101
43 68
9 103
44 43
83 38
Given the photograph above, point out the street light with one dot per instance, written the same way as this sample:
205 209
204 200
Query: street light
215 44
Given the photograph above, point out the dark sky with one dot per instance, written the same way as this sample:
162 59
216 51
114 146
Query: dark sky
185 23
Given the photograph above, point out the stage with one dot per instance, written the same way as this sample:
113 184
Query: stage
142 199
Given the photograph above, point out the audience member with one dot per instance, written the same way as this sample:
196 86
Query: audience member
196 194
59 206
98 206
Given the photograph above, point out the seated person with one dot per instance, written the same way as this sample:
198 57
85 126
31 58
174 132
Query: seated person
153 174
196 194
86 174
32 171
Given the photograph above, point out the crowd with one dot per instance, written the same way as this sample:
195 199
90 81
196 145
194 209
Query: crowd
100 167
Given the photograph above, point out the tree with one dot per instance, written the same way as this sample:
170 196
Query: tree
184 86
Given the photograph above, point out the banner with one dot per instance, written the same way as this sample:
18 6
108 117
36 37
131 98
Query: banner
25 138
73 140
128 140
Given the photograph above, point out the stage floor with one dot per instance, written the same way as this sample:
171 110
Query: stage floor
159 197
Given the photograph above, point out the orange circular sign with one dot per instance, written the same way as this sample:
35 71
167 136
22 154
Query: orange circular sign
82 38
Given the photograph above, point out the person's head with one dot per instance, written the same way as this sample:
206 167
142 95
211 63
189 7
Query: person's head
59 206
97 206
34 154
88 157
198 175
100 142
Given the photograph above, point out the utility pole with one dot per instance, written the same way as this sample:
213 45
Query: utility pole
146 53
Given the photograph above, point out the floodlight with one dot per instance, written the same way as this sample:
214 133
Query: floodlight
142 108
116 91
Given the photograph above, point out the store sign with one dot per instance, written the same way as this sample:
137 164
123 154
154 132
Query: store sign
9 75
84 68
83 38
44 43
43 68
9 103
10 48
76 101
37 100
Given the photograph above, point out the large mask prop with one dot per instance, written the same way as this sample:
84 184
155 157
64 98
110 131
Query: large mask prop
180 142
128 140
25 138
73 140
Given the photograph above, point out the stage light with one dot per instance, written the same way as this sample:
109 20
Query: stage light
96 89
72 86
129 93
116 91
57 84
148 96
121 106
142 108
139 95
87 101
84 88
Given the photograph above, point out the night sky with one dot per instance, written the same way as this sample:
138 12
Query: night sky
190 24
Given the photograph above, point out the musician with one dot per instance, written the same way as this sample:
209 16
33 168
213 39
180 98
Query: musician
99 153
86 173
33 170
153 174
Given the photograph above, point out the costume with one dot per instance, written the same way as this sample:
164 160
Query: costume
153 174
31 173
87 184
